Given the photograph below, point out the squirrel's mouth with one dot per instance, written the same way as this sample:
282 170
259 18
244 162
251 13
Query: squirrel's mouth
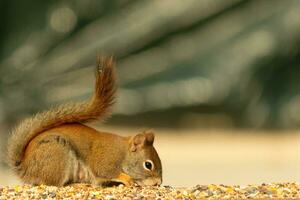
153 181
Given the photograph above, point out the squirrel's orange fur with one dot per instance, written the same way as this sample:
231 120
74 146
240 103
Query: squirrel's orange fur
55 148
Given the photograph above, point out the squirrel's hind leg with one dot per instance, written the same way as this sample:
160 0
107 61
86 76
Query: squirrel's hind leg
48 160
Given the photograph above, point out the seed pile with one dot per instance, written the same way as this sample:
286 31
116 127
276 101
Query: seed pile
81 191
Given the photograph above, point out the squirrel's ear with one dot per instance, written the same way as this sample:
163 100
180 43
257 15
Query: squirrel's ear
140 140
149 138
137 142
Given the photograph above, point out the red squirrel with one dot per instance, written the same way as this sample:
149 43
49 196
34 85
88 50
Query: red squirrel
55 147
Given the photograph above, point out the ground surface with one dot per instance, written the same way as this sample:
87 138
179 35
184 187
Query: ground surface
265 191
206 156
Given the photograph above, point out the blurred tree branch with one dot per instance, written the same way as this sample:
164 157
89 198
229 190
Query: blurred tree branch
171 54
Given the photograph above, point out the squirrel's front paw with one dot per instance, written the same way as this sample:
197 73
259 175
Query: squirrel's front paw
124 179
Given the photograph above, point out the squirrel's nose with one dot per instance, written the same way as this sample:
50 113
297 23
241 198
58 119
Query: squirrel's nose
158 182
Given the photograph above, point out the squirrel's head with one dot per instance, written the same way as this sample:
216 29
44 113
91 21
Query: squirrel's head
142 162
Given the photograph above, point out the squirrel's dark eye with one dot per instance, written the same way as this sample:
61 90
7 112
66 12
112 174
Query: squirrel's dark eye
148 165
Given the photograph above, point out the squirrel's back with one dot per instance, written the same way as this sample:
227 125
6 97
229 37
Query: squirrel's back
98 107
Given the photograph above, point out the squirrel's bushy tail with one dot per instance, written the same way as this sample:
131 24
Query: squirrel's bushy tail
97 108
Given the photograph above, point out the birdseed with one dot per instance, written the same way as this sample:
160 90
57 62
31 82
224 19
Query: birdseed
212 191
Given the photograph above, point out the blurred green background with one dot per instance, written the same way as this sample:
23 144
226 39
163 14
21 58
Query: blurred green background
232 63
181 64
